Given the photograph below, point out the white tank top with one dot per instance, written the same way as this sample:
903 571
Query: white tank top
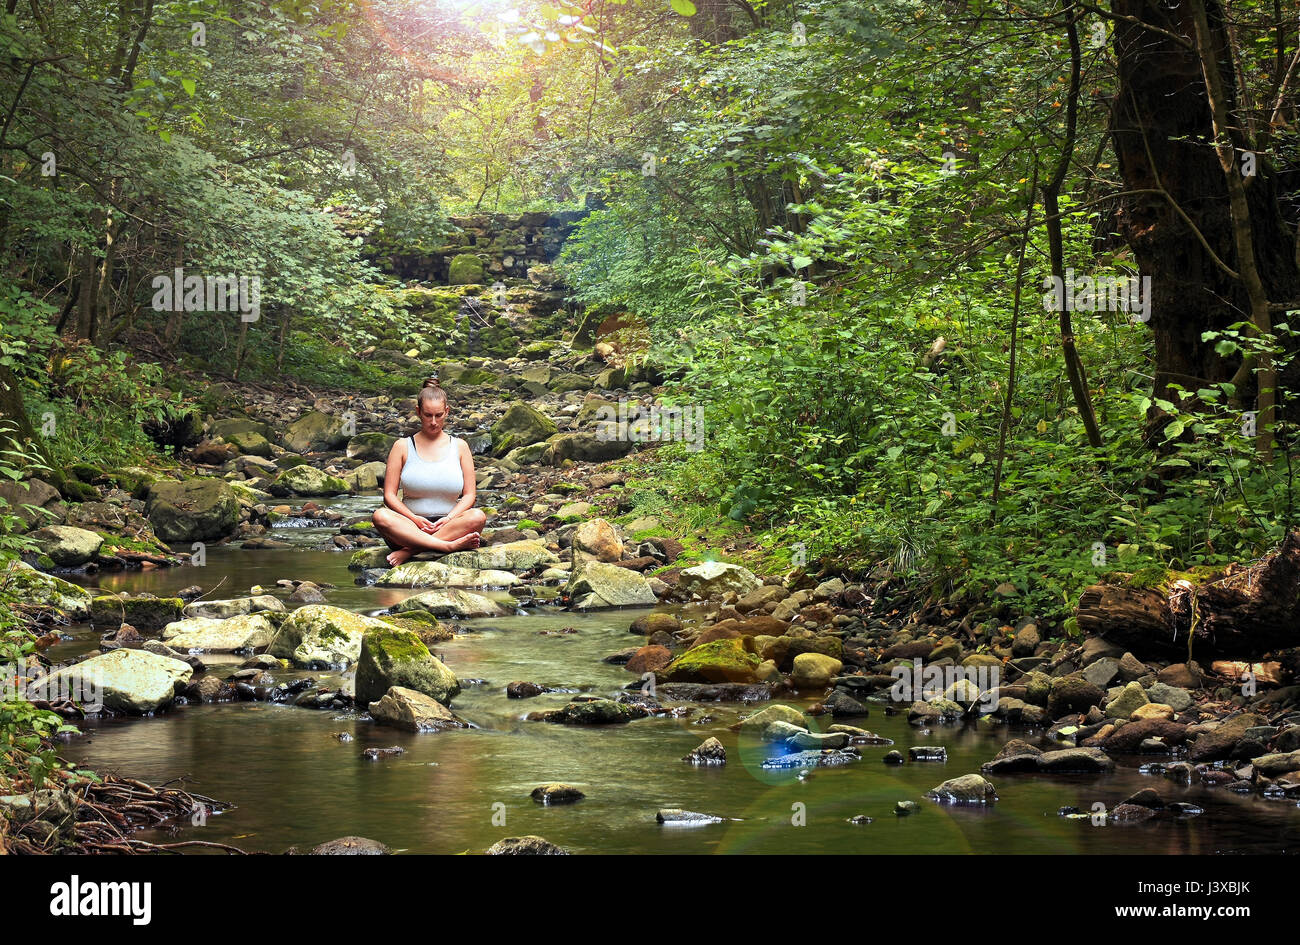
432 487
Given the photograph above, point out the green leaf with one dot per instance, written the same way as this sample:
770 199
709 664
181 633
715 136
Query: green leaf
189 87
683 7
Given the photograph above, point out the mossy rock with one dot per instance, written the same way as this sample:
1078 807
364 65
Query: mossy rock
74 490
465 269
21 583
720 661
521 425
395 657
146 613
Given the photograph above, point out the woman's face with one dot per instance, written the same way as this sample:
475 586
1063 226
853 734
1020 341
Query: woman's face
433 417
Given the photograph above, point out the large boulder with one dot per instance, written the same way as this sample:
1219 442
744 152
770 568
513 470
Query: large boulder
68 546
42 496
132 681
365 477
308 480
465 269
438 574
45 592
246 632
315 432
451 603
600 584
203 509
393 657
715 578
521 425
320 634
814 670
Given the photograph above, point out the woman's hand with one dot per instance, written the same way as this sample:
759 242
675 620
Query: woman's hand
438 524
424 525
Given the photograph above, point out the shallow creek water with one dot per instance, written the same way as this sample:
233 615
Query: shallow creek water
294 783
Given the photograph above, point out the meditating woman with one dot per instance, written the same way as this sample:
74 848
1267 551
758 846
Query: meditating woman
435 471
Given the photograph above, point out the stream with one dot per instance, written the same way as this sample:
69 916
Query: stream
293 782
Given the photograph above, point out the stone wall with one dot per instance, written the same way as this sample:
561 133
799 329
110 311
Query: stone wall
488 247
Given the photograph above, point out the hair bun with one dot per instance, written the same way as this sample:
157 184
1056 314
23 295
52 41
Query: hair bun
431 382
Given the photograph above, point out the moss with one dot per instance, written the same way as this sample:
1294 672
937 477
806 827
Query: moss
528 523
396 645
1162 579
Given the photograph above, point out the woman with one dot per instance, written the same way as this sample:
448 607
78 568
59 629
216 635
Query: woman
436 473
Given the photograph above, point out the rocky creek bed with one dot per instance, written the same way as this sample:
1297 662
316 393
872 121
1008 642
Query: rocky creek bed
581 679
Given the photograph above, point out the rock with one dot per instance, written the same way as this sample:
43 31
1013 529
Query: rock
814 670
586 448
203 509
709 752
572 511
365 477
465 269
715 578
68 547
649 624
1075 759
1015 755
1219 743
1130 737
649 659
33 492
412 711
967 789
1071 693
595 540
351 846
126 680
1182 675
556 793
1152 710
1123 705
1131 668
309 481
1278 763
719 661
45 592
1129 814
1095 648
596 712
780 731
600 584
315 432
512 556
755 599
145 612
392 657
908 808
451 603
523 690
892 758
842 705
439 574
245 632
370 446
525 846
521 425
232 607
1172 696
1101 672
319 634
1026 641
756 724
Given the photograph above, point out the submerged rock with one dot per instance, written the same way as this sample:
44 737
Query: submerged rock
350 846
556 793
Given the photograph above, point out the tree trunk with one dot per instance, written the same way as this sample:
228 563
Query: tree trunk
1245 615
1180 226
